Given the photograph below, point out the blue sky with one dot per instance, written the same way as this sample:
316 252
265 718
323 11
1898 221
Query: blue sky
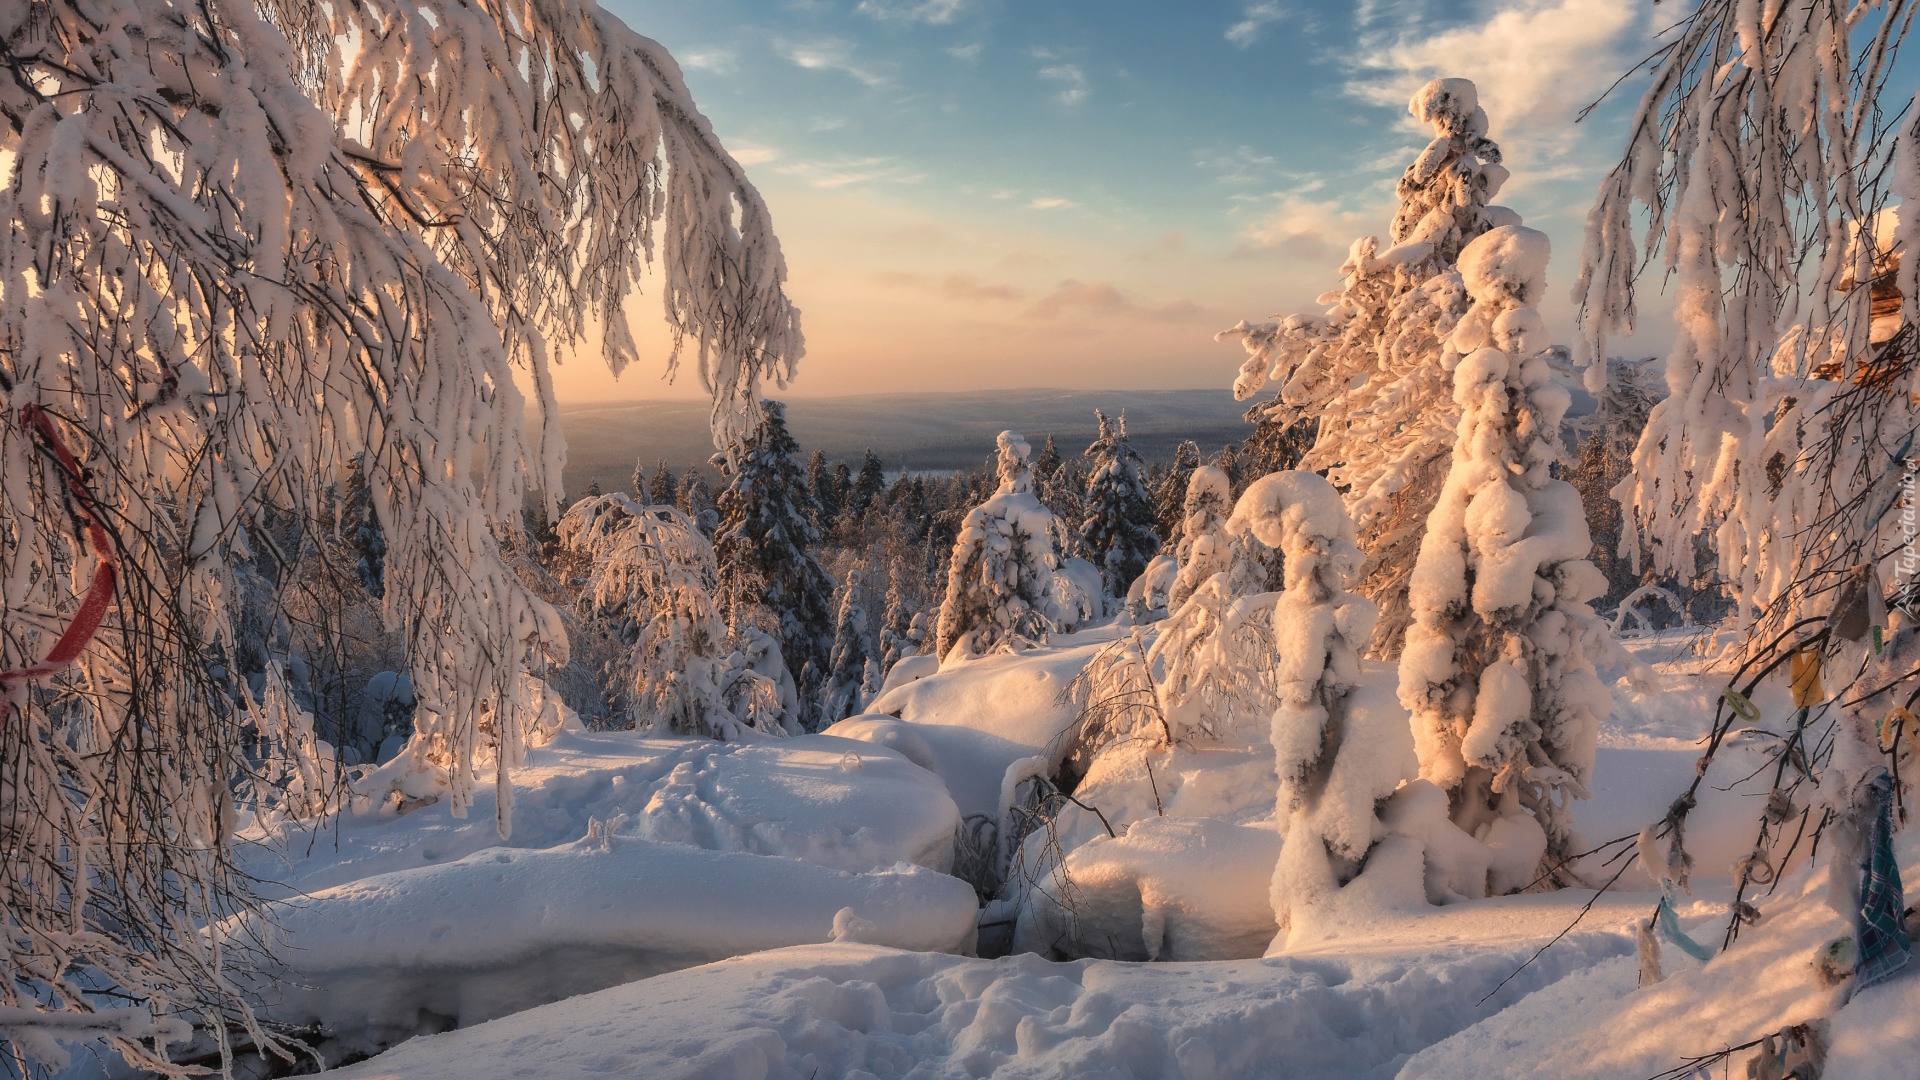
985 193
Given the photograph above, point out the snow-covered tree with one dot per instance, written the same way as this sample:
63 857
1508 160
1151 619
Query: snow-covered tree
1498 669
245 243
1046 462
696 501
1606 441
1757 168
1205 547
765 543
1118 526
663 488
896 628
844 694
651 575
1337 758
1365 373
1170 492
1000 576
867 486
1214 660
826 497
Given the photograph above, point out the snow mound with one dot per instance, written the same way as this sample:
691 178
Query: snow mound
630 856
1599 1024
501 931
839 803
979 716
849 1011
1166 889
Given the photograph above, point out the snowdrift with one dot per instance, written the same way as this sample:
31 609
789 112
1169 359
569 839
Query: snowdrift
630 856
503 930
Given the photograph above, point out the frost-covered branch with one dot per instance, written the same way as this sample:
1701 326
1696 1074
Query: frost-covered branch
1762 160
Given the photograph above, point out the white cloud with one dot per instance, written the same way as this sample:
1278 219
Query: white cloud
931 12
1535 62
829 54
1103 299
1240 165
1303 228
1258 16
1050 203
1075 88
747 153
967 53
843 172
718 61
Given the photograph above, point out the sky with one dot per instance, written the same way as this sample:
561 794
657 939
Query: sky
987 194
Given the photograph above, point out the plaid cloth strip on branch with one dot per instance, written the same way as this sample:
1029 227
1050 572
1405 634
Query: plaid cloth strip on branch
1879 928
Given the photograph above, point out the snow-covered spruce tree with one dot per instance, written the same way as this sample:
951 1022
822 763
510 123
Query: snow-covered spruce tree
1170 494
1214 662
244 243
1763 153
1118 526
826 497
1000 576
1205 548
663 488
696 501
1337 759
1366 369
844 694
1498 669
1045 462
896 629
765 543
867 486
1606 441
651 575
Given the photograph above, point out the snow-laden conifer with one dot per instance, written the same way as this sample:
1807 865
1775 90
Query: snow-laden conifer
1366 370
764 544
1170 494
1118 526
663 488
1214 661
867 486
1498 669
651 575
845 692
1205 548
1337 759
1000 575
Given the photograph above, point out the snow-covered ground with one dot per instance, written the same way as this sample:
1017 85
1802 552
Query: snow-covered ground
683 908
629 857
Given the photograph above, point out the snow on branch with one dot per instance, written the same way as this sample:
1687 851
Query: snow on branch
248 245
1763 162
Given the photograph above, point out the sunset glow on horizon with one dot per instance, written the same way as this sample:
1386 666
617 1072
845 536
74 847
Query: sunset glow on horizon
976 195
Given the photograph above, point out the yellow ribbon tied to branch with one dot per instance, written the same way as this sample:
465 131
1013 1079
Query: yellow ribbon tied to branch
1804 676
1897 721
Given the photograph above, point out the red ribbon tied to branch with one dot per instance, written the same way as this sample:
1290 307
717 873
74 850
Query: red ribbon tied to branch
86 622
